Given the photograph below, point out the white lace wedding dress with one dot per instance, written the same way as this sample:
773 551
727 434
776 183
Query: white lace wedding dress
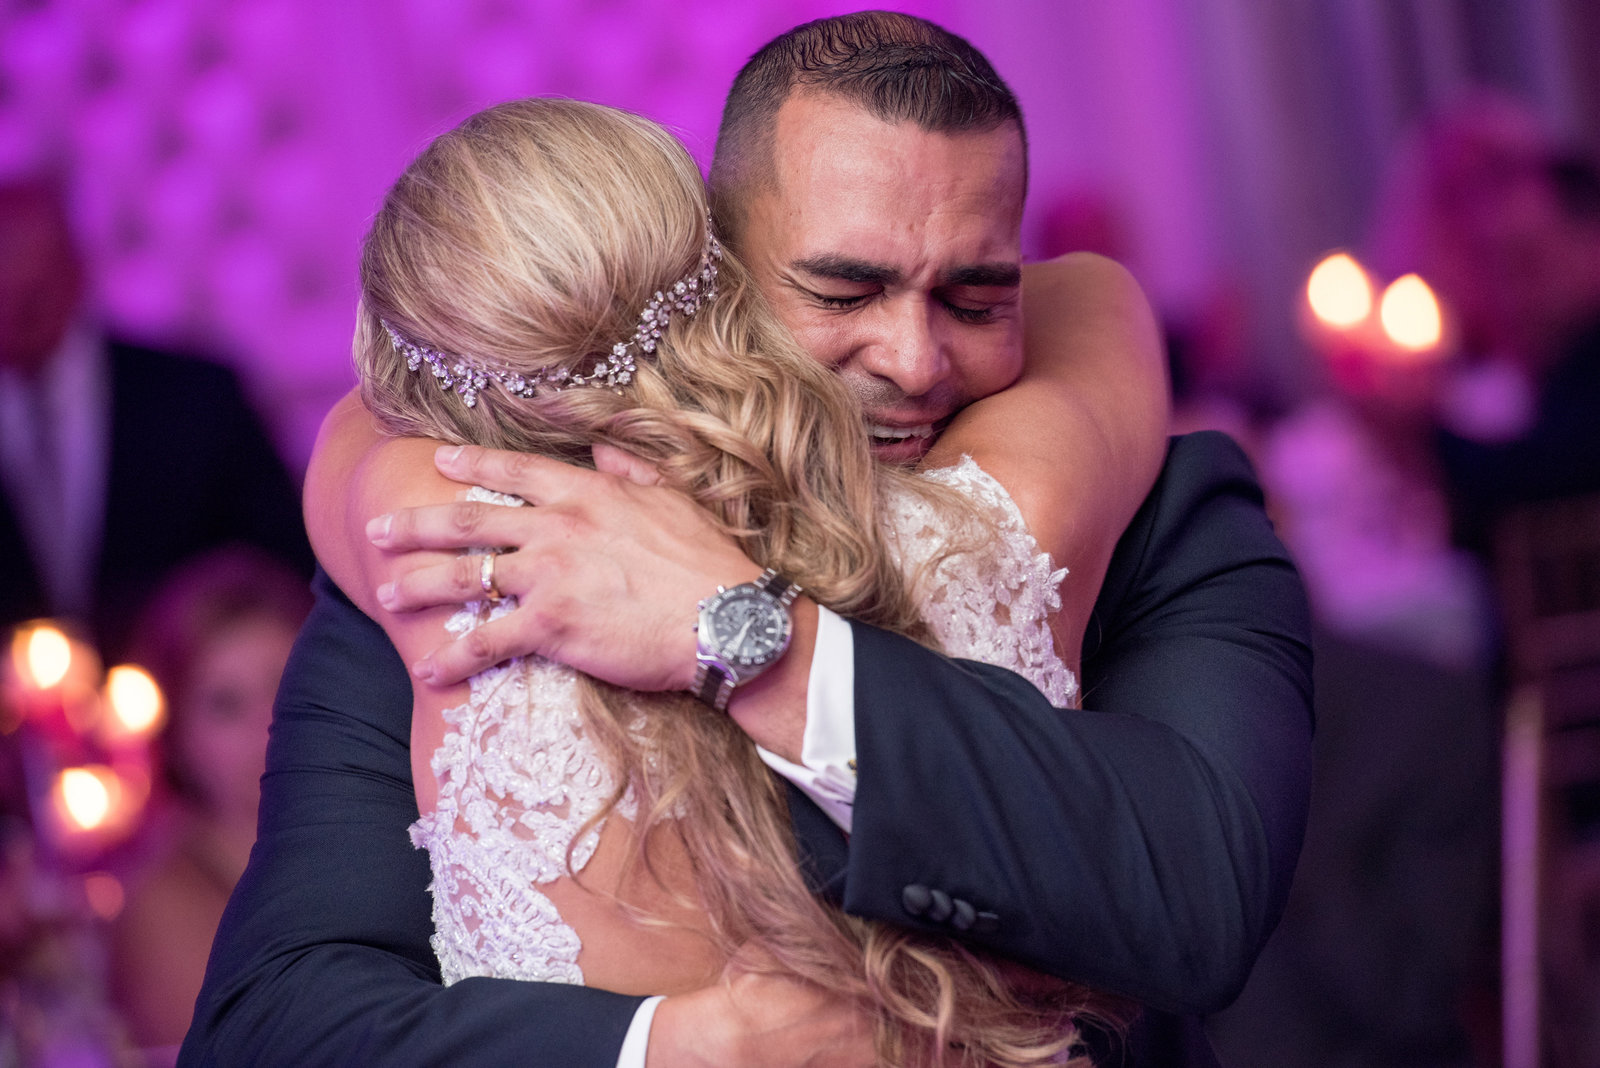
518 779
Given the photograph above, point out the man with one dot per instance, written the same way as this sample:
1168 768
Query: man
1145 849
116 462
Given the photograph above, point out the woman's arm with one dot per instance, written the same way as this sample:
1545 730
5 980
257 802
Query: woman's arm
357 473
380 474
1093 398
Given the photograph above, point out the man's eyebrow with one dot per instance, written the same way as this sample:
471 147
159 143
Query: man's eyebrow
1001 275
847 269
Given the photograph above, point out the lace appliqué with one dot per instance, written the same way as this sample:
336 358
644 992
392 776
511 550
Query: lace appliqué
518 779
992 601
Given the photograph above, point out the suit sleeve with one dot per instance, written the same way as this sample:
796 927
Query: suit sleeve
323 954
1143 845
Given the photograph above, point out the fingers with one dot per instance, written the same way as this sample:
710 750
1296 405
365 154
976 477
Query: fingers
624 464
458 526
478 650
536 479
449 582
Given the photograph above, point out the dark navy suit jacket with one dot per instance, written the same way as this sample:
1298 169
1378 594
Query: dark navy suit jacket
1145 846
190 468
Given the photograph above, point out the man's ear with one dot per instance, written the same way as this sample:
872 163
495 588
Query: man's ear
624 464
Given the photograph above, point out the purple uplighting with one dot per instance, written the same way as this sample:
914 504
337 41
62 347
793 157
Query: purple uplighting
1369 228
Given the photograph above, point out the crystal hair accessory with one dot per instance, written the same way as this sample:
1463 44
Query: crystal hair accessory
469 376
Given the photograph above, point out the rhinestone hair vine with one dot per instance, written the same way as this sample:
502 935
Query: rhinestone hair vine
469 376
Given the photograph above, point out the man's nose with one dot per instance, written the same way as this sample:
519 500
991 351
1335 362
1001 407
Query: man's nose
910 351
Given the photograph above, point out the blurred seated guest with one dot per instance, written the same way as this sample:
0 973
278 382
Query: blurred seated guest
215 637
1387 937
1506 227
1368 524
54 1012
116 461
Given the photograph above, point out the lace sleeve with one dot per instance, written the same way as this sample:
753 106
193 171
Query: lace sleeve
993 597
517 780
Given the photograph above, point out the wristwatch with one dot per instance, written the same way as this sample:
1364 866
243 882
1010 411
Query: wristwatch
741 633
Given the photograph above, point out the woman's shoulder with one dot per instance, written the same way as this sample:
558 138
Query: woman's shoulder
985 585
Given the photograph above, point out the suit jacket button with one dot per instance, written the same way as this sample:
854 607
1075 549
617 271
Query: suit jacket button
965 916
987 921
941 908
916 898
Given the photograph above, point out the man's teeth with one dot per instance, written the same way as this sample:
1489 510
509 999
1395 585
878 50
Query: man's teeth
899 433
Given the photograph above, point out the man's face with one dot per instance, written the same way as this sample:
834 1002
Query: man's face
894 256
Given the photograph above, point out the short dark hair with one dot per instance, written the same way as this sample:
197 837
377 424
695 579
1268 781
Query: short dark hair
898 67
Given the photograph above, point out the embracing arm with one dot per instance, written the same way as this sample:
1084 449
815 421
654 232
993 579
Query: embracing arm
1094 388
1146 846
1093 398
323 955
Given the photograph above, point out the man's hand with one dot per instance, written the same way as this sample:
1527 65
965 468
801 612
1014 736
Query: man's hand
759 1020
607 571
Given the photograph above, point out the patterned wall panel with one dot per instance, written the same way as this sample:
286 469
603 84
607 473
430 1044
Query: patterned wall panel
224 155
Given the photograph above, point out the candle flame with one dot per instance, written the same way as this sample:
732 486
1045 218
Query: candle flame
1410 314
1339 291
87 796
137 707
43 655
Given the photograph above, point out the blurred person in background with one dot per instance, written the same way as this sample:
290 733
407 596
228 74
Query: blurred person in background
1404 461
1504 223
116 461
215 637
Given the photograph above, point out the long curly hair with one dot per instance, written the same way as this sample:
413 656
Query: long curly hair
530 237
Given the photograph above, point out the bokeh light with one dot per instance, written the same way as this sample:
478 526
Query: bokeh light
135 701
87 796
1410 314
105 894
1339 291
43 655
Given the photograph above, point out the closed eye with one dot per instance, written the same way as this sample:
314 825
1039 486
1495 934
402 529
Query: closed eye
969 315
839 302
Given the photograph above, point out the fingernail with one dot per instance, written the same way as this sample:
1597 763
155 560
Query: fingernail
378 529
447 454
423 669
386 595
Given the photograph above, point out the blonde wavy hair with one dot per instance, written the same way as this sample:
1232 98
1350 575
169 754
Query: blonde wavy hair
530 237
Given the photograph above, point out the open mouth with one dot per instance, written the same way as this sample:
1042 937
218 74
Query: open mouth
889 435
903 444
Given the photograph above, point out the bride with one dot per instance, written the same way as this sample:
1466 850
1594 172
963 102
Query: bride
544 278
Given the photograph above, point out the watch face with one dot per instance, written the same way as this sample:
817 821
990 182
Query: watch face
748 628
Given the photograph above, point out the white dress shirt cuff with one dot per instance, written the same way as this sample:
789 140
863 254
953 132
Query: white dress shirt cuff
826 773
638 1037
